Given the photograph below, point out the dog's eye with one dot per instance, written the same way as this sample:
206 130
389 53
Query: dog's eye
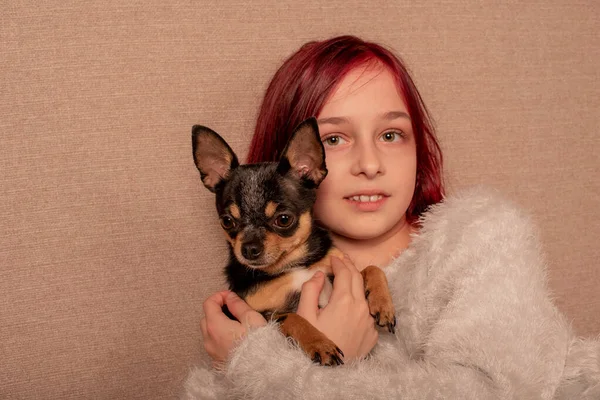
227 222
284 220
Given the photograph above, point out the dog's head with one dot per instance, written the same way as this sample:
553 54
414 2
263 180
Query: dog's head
264 208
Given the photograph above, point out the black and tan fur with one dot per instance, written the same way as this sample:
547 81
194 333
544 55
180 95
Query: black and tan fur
265 212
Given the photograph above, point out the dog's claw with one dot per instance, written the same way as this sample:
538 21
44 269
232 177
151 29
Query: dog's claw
317 358
335 359
328 358
392 326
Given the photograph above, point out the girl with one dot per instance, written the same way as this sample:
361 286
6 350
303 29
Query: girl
474 316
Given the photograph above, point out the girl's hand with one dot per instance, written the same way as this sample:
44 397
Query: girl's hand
346 319
221 333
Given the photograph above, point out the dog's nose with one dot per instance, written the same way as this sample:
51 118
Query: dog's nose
252 250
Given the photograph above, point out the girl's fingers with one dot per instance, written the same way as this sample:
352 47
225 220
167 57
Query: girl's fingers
242 311
358 285
214 302
219 332
236 305
213 308
342 281
309 296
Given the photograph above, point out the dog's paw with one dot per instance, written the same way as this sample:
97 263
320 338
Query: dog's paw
324 352
382 309
379 299
312 341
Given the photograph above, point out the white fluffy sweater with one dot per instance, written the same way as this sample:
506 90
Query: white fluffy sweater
475 321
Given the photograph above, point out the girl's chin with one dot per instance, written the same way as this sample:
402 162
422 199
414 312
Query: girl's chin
360 233
368 228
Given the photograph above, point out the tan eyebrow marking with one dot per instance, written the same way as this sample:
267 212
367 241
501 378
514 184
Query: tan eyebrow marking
270 209
235 211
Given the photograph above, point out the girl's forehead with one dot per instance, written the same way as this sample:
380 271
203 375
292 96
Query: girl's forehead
366 89
361 75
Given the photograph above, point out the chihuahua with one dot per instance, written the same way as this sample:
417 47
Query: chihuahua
274 244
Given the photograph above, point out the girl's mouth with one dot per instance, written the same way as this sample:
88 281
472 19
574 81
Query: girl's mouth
367 203
365 198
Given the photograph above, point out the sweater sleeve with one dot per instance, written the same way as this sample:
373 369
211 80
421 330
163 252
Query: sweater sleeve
267 366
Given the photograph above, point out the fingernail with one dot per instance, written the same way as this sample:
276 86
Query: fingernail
232 295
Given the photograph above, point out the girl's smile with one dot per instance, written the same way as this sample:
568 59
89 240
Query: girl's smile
368 200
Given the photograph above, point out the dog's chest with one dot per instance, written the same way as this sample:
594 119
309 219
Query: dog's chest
301 275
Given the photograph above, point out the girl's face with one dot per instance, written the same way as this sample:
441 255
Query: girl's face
370 155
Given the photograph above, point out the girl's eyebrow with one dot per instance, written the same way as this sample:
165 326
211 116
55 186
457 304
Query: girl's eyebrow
388 116
391 115
333 120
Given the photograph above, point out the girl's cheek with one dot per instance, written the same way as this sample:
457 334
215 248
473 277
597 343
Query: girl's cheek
331 182
323 190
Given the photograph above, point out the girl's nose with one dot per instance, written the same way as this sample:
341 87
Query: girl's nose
367 160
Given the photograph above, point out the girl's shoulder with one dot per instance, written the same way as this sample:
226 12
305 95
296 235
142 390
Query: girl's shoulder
477 210
473 228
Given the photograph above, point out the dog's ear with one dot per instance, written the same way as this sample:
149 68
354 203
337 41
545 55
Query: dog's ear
304 154
212 155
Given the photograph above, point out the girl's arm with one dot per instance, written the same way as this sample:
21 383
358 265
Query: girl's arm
265 366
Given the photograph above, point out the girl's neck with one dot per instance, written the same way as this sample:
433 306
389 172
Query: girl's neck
377 251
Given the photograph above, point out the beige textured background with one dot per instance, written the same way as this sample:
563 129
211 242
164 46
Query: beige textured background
108 241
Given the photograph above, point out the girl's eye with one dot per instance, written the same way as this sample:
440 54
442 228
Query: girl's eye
333 140
391 136
284 220
227 222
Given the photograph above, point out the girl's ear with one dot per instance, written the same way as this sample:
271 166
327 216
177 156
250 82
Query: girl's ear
212 155
304 154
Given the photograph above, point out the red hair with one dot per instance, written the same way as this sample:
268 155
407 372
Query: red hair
305 81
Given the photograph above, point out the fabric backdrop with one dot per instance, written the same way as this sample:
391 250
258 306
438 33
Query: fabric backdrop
108 241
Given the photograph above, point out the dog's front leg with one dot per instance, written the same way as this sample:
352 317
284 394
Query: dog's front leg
378 296
314 343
